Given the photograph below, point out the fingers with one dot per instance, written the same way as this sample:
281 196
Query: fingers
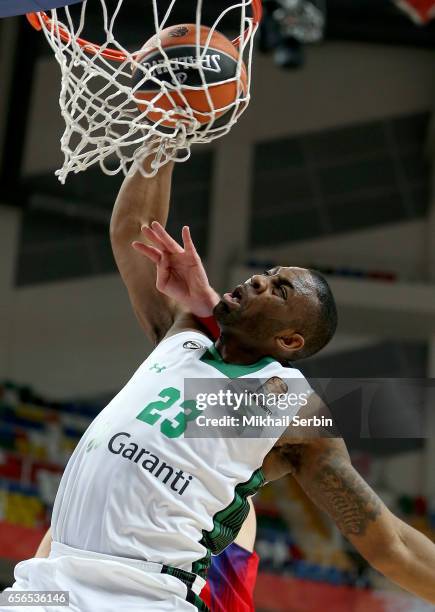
159 258
189 247
164 238
163 273
149 251
151 236
160 237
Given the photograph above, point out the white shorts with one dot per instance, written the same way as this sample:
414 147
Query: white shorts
102 583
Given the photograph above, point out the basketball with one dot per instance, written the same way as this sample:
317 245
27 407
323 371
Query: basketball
188 79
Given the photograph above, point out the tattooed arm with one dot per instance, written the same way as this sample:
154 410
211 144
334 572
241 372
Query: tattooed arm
323 468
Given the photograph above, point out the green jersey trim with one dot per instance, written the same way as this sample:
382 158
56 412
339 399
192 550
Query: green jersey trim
197 602
227 522
212 358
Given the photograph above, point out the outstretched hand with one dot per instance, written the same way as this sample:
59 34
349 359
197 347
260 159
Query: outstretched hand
180 273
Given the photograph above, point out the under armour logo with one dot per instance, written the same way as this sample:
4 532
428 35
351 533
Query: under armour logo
157 368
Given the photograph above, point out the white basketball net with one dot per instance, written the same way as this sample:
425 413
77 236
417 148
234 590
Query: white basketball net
103 123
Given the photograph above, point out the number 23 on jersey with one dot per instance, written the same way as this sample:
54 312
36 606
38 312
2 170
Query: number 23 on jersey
171 427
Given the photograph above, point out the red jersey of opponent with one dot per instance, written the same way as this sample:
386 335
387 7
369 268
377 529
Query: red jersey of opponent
231 581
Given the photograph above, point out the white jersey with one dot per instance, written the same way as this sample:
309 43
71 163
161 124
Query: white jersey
136 487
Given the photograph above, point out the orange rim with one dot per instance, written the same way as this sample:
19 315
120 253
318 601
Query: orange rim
115 54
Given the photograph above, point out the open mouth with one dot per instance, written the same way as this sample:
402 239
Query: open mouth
234 298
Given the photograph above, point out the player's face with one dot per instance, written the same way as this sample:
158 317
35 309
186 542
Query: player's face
269 303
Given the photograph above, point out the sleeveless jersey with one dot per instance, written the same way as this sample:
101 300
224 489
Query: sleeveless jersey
136 487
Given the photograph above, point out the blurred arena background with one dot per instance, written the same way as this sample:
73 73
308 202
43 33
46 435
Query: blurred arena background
331 167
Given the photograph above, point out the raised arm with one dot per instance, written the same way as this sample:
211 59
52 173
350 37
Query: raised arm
324 470
140 202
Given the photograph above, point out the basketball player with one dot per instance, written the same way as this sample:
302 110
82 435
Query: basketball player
141 508
232 574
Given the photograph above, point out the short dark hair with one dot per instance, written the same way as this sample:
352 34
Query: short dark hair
320 329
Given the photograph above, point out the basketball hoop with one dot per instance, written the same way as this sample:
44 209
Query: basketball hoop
99 102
